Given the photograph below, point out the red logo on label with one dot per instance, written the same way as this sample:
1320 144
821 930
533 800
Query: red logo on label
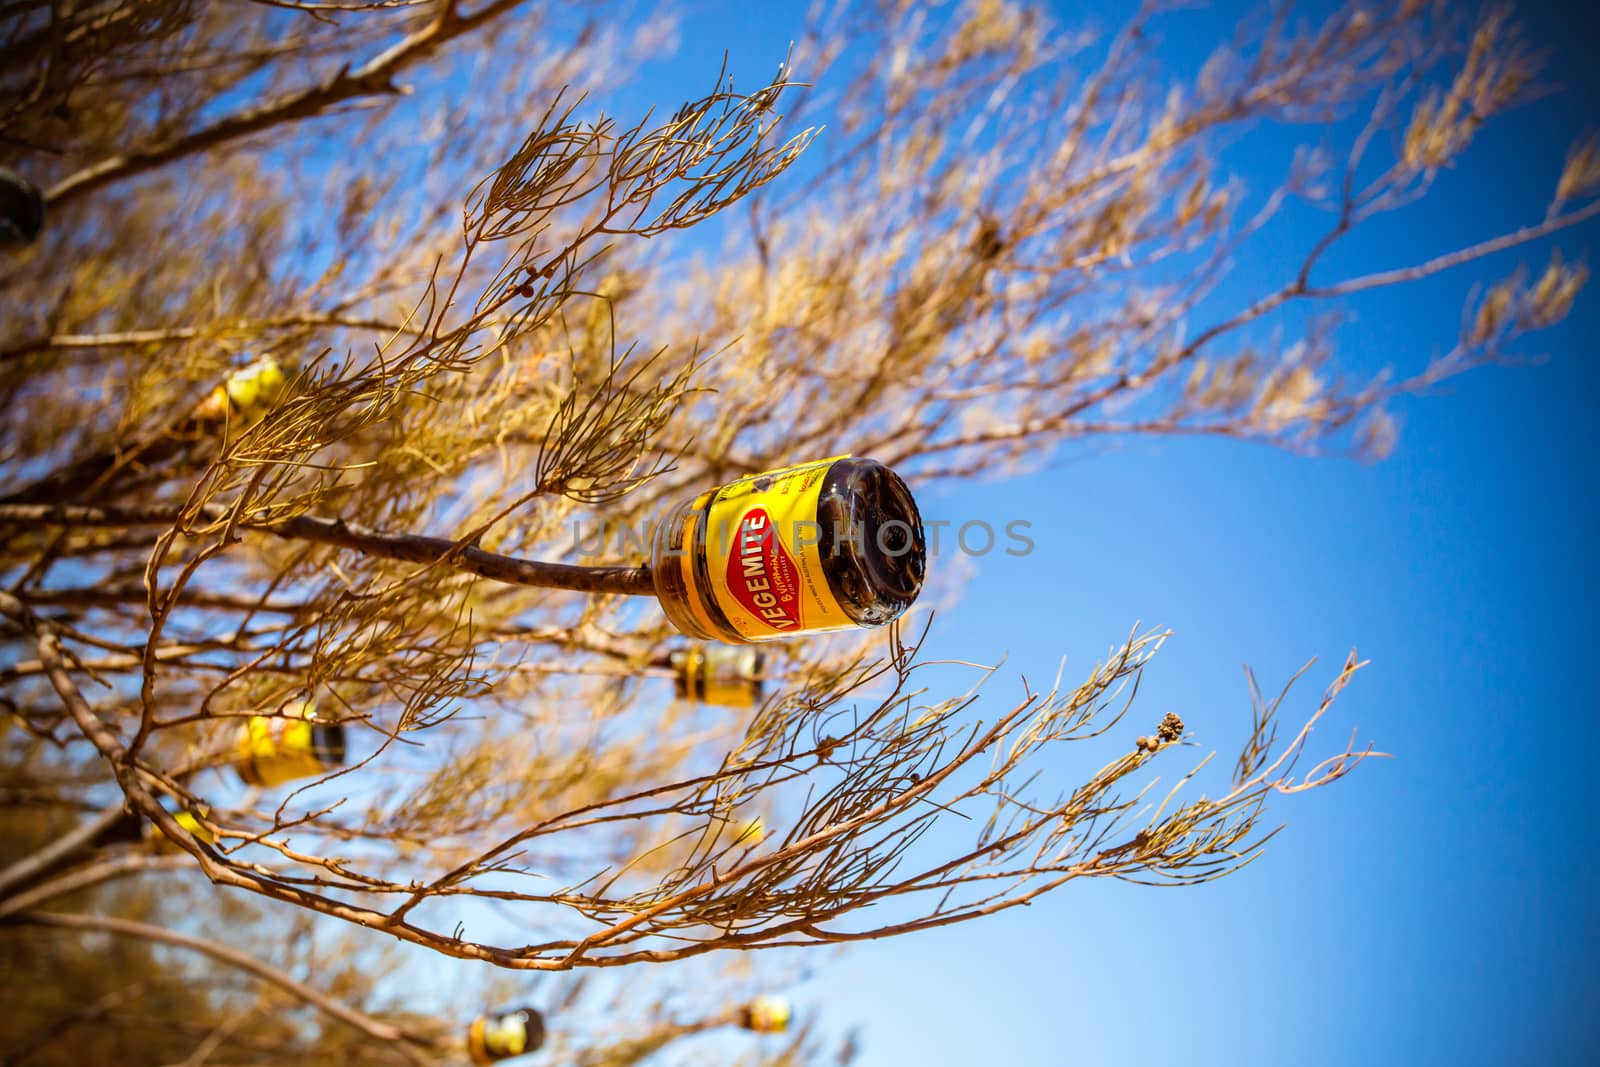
762 575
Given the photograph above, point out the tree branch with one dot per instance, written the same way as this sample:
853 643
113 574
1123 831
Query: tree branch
129 338
416 548
374 77
87 876
1456 258
411 548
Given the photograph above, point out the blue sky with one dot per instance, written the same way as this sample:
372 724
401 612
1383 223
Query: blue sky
1434 908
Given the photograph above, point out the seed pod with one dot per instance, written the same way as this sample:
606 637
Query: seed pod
1171 727
815 547
505 1034
281 748
766 1014
718 674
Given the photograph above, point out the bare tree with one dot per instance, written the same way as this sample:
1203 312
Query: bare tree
340 317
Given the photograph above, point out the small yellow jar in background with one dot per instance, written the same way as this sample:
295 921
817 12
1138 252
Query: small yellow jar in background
728 676
248 393
505 1034
766 1014
191 819
274 749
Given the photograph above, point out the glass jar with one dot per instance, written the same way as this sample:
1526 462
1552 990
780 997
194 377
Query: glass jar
274 749
717 674
193 821
504 1034
248 393
815 547
766 1014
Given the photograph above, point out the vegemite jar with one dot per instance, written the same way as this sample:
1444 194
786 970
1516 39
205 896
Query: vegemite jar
818 546
717 674
766 1014
274 749
193 822
505 1034
248 393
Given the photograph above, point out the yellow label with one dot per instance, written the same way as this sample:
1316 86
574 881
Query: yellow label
278 750
500 1037
728 692
727 676
253 389
191 821
763 554
767 1014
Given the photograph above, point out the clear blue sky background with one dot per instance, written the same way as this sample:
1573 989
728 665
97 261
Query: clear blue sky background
1437 908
